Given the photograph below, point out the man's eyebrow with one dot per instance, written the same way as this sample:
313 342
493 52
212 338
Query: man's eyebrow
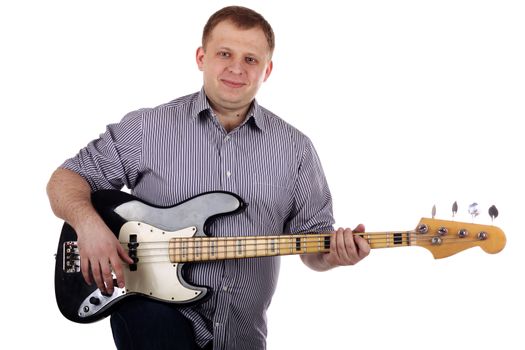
249 53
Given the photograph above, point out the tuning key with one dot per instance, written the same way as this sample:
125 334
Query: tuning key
493 212
473 209
454 209
433 211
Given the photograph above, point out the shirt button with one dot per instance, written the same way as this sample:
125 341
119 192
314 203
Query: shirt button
225 288
228 173
227 138
217 324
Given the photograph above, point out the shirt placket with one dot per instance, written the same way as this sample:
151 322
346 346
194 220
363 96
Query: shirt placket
227 157
224 296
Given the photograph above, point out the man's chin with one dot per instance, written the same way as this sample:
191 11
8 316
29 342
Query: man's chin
235 100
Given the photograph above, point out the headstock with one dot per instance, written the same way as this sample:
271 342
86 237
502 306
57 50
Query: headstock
445 238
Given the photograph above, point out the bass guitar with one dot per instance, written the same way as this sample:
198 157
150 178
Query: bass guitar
160 240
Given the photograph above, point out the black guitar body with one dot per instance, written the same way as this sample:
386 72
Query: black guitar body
135 222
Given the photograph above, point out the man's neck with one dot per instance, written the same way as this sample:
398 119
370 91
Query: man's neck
230 119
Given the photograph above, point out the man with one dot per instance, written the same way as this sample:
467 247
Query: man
216 139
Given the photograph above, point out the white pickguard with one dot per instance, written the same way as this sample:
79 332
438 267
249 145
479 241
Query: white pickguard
156 276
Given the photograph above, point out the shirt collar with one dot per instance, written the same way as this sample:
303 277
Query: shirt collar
256 115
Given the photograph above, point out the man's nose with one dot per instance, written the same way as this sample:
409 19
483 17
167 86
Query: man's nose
236 67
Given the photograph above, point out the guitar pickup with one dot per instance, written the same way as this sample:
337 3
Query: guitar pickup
132 252
71 259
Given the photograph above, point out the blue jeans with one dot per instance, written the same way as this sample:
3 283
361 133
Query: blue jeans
145 324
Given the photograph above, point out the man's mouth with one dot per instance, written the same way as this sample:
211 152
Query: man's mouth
232 84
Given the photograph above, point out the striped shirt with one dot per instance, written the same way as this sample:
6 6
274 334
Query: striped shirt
175 151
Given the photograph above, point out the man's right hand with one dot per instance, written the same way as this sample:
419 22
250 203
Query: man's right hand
100 253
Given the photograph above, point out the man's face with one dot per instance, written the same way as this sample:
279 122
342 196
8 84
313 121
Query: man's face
235 63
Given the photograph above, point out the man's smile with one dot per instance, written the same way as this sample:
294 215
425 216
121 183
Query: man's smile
232 83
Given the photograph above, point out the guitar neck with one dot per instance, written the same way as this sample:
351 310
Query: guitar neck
222 248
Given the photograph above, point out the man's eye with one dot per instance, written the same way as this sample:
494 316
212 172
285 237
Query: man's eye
223 54
251 60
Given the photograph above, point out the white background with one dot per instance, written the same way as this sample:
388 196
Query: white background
409 103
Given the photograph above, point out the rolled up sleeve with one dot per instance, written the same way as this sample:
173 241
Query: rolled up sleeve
312 212
112 160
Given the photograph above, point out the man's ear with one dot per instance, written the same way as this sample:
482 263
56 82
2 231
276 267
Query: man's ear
199 57
268 70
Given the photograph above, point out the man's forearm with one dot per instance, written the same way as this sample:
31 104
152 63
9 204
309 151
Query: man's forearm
70 197
316 262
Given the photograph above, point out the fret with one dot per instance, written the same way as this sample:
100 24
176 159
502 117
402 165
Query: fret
310 244
305 250
240 248
272 246
184 255
222 246
174 249
230 248
191 250
212 248
261 247
197 249
398 238
253 245
326 243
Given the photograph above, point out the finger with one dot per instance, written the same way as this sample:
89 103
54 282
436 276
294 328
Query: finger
107 276
333 244
84 268
350 247
363 248
359 228
124 255
344 247
339 244
97 276
118 268
119 272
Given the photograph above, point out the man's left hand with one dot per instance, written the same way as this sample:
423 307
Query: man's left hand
347 248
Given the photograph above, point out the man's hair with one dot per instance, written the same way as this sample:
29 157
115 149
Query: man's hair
243 18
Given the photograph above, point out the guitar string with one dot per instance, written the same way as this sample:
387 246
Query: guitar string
314 237
227 242
222 242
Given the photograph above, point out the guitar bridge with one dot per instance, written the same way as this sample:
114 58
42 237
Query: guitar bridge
71 259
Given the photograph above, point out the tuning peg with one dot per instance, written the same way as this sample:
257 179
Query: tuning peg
433 211
454 209
493 212
473 209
